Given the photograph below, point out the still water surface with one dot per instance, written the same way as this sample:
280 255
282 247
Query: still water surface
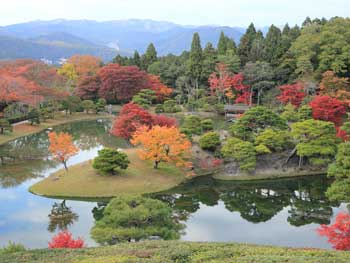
279 212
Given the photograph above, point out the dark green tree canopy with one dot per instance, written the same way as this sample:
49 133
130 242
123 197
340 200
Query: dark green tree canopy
128 217
110 161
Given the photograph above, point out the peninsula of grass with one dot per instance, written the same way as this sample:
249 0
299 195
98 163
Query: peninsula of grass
177 251
25 129
82 181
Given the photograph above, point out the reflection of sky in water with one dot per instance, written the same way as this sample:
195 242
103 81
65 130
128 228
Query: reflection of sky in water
217 224
24 217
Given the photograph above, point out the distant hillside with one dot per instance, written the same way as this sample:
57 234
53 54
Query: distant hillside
123 35
53 50
64 39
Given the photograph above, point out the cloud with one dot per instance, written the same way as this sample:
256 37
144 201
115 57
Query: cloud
224 12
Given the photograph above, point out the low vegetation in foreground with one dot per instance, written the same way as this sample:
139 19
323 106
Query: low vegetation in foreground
172 251
82 180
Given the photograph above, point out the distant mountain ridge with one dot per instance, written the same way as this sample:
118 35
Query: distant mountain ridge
119 36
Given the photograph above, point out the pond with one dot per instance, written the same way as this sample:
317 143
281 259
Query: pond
276 212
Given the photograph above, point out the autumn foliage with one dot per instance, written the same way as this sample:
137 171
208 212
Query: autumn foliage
327 108
335 87
88 88
29 82
292 93
223 84
162 144
132 117
62 147
161 90
64 239
121 82
338 233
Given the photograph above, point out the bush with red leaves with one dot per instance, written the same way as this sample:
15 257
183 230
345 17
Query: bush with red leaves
64 239
132 117
162 120
338 234
292 93
326 108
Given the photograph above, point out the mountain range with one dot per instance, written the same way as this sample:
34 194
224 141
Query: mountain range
61 38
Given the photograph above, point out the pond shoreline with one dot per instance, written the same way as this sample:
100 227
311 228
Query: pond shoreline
26 129
82 181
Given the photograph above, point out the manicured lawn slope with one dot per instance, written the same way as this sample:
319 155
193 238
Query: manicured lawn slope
26 129
179 252
83 181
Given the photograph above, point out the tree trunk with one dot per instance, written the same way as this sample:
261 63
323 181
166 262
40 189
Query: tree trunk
65 166
156 164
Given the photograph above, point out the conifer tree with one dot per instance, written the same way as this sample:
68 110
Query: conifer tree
245 44
222 44
273 45
136 59
195 62
149 57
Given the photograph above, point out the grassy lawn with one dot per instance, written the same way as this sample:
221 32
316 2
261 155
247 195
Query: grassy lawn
26 129
83 181
181 252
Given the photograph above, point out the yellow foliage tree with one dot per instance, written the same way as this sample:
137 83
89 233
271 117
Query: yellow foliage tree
163 144
62 147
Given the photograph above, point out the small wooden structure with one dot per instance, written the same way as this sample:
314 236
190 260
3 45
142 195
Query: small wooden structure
231 111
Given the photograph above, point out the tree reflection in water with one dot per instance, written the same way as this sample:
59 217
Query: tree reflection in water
28 157
256 201
61 217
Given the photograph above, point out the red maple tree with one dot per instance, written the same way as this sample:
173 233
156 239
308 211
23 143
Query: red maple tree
327 108
64 239
121 82
338 233
162 120
88 88
242 91
161 90
225 84
131 117
292 93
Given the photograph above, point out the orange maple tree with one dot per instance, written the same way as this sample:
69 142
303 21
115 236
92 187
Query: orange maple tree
163 144
85 65
62 147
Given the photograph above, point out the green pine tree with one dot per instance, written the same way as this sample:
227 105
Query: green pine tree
196 57
246 43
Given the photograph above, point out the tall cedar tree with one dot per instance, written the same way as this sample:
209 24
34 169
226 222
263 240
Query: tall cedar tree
222 44
209 60
149 57
246 43
196 56
136 59
273 46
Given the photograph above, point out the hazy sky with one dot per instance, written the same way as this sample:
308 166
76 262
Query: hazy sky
194 12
